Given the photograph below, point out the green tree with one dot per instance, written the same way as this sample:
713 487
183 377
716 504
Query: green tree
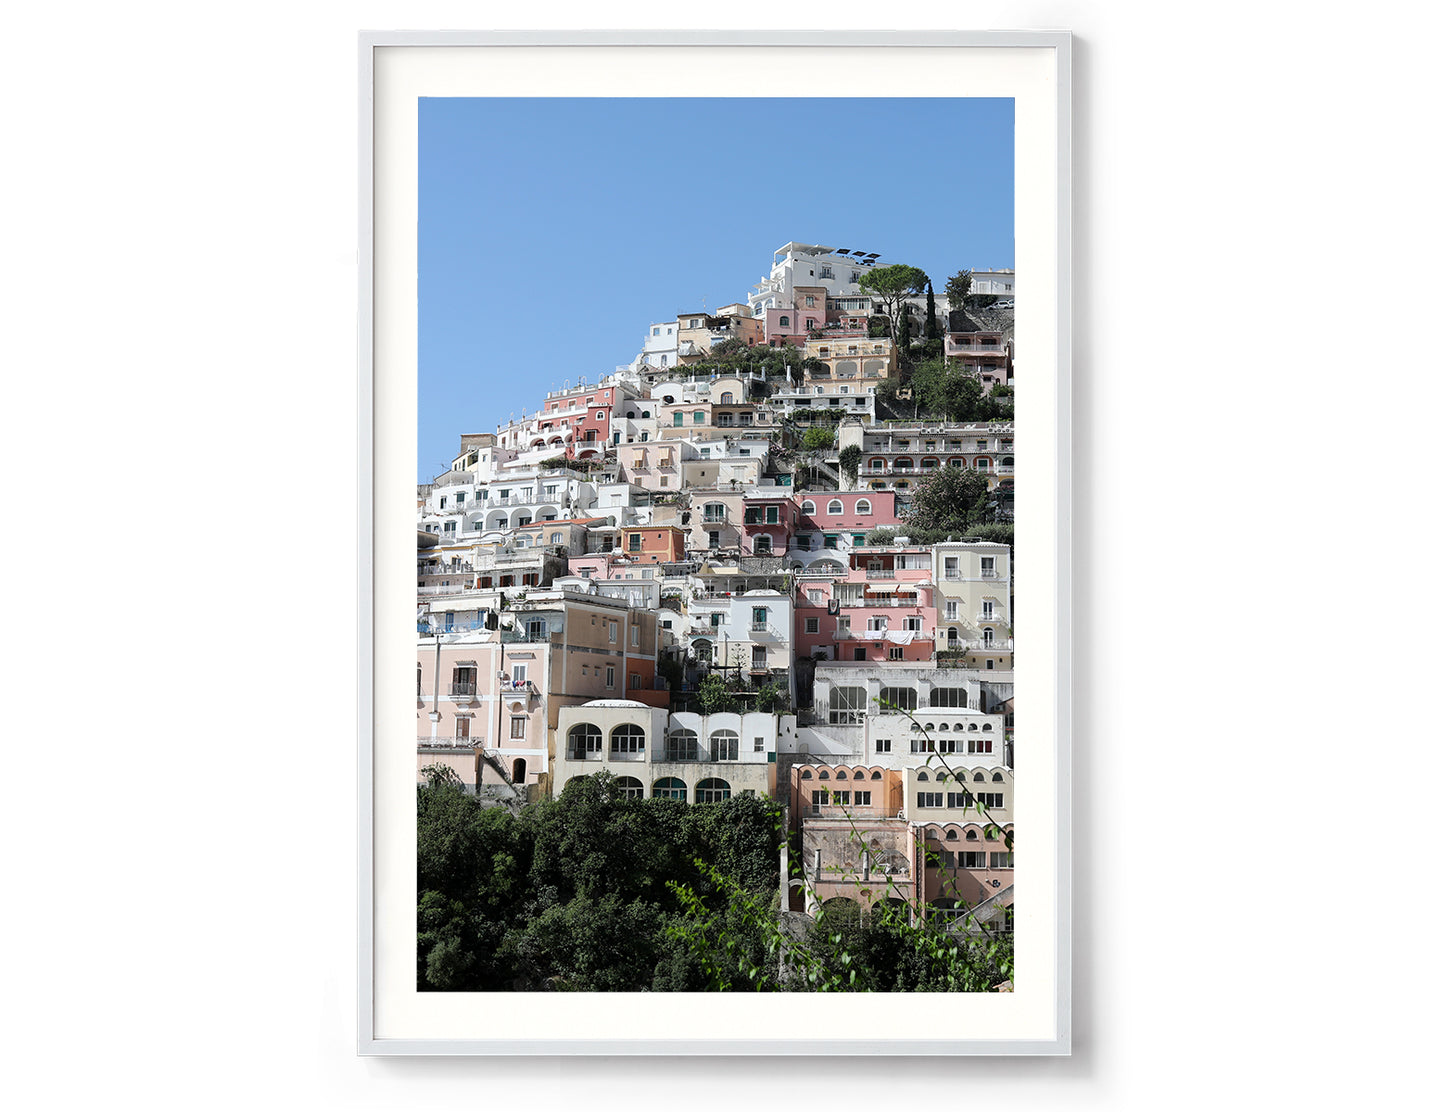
713 695
817 439
949 500
946 390
931 328
848 461
893 285
958 287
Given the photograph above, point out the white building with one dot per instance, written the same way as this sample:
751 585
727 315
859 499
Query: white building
837 270
694 758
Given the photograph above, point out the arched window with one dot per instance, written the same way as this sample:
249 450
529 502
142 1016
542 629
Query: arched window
876 776
584 742
630 787
763 543
806 775
903 463
862 506
782 322
998 777
808 507
923 776
858 775
988 637
835 507
929 464
628 739
825 775
951 836
981 464
978 777
971 836
682 745
722 745
876 463
669 787
726 398
712 790
988 727
556 538
972 726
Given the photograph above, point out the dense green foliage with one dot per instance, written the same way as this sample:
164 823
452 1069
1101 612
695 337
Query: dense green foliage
572 894
949 501
818 438
958 287
931 329
849 460
945 390
891 285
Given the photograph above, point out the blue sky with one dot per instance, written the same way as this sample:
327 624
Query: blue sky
552 231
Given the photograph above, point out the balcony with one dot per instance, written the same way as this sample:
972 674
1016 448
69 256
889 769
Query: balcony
882 573
445 743
988 573
880 603
524 637
457 589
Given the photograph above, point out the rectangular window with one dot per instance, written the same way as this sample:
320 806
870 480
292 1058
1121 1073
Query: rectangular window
612 633
830 540
757 745
841 799
634 680
611 676
973 859
1001 860
677 420
519 675
713 538
519 727
950 611
810 625
883 745
859 539
698 416
914 624
634 542
950 567
863 799
820 799
991 799
895 653
636 636
930 799
959 799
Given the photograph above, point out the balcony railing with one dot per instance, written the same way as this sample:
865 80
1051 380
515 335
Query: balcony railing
882 573
465 690
871 603
988 573
446 743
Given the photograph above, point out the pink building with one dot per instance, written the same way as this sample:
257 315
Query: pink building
831 523
883 607
791 324
768 523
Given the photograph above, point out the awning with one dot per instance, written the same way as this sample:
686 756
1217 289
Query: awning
882 588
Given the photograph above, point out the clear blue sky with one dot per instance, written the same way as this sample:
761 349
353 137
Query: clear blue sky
552 231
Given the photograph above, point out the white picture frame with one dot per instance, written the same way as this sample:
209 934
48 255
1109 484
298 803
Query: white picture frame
397 67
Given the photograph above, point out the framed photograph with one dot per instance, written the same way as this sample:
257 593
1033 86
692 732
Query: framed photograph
714 424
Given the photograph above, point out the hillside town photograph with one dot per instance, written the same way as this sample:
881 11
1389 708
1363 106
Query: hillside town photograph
715 578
